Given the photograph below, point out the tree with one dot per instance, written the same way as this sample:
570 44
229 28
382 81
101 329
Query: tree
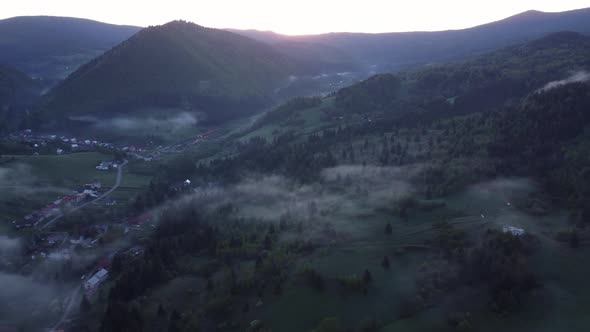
85 304
267 242
388 229
385 262
161 310
258 263
331 324
367 277
574 239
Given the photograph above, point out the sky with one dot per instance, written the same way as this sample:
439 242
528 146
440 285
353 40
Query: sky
294 16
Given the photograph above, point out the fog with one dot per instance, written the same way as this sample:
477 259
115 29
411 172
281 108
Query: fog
342 198
173 122
19 179
580 76
9 246
501 188
22 297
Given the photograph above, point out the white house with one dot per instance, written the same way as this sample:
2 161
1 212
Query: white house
91 285
513 230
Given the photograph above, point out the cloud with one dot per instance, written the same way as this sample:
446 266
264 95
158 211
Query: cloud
580 76
9 245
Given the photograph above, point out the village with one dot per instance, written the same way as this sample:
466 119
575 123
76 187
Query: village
57 243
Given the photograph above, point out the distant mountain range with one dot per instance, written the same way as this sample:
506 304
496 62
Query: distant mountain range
484 83
392 51
222 74
53 47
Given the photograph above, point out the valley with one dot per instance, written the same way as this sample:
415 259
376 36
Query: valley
185 178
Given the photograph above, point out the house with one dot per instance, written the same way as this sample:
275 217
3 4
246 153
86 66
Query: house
75 146
62 255
88 194
59 151
513 230
56 238
91 285
22 224
139 220
93 186
106 165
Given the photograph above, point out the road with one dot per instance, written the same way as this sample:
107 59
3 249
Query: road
75 297
110 191
72 300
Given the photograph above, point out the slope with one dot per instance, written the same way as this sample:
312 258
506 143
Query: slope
16 93
52 47
179 64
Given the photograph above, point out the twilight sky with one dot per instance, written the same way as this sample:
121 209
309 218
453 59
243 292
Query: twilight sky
293 16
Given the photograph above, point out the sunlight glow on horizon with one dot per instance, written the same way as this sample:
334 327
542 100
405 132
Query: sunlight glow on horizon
295 17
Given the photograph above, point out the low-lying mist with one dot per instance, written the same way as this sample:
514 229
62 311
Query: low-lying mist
340 198
174 121
19 179
580 76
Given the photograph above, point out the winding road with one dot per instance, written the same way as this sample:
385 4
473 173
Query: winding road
110 191
75 296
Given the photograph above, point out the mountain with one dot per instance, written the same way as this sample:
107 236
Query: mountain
17 91
393 51
481 84
177 65
52 47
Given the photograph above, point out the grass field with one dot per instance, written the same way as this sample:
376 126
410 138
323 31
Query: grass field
38 180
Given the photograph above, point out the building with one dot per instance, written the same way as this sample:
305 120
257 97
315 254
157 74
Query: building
59 151
513 230
106 165
93 186
92 284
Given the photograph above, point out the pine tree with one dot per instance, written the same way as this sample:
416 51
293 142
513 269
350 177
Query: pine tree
388 229
385 262
85 304
367 277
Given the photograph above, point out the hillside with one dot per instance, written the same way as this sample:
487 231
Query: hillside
483 83
393 220
393 51
52 47
16 93
179 64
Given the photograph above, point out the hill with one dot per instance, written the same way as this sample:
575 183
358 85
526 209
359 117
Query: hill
16 93
52 47
179 64
483 83
393 51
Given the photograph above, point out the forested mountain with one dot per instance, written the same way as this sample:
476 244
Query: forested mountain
392 51
513 111
179 64
475 85
52 47
17 92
